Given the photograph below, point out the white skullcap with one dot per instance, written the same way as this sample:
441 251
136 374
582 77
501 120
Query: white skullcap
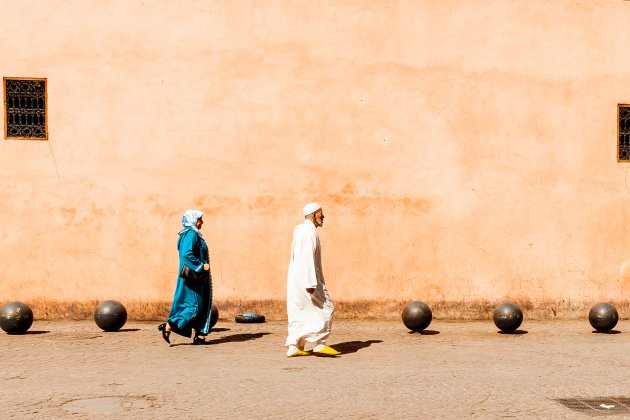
311 208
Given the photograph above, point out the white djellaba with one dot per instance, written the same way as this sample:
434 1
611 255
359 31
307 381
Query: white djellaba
310 315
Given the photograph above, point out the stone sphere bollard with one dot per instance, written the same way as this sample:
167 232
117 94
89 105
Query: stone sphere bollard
16 318
214 316
603 317
110 315
417 316
507 317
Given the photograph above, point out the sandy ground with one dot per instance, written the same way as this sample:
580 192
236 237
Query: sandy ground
454 370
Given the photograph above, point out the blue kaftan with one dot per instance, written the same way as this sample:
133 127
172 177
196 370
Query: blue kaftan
193 300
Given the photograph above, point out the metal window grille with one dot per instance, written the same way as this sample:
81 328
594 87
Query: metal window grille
25 106
623 133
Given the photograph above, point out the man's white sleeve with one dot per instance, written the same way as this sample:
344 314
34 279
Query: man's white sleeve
306 261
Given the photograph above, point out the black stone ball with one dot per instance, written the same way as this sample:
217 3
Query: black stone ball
507 317
603 317
214 316
417 316
16 318
110 315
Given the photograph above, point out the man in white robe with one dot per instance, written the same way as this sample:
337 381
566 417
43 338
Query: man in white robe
309 307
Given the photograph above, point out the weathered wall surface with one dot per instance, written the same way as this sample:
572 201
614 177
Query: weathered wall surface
461 149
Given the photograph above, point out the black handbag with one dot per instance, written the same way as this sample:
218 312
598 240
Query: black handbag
188 273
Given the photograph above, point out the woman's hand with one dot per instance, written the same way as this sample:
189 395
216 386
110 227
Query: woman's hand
206 266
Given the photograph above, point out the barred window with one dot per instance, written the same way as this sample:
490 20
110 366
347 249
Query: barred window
623 133
25 109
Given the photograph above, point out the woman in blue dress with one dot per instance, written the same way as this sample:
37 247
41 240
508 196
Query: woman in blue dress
192 303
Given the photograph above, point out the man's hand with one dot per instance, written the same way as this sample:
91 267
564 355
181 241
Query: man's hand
310 290
206 267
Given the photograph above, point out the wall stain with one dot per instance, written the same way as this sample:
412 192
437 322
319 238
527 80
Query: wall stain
360 204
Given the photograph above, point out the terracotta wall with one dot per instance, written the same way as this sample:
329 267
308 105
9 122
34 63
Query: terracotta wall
461 149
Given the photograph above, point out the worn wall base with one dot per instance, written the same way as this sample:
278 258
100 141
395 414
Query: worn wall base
361 309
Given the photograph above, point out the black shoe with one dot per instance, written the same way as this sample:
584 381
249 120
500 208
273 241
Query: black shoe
165 334
199 339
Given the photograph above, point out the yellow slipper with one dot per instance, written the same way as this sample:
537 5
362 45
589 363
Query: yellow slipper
298 352
329 351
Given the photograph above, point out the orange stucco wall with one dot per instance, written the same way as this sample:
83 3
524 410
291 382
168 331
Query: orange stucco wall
461 149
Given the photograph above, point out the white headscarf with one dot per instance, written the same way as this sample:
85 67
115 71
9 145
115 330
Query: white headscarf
310 208
190 218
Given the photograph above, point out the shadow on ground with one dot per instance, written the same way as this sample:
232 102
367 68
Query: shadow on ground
425 332
606 332
237 338
354 346
517 332
234 338
36 332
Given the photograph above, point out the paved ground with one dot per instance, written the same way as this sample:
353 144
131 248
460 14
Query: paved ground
455 370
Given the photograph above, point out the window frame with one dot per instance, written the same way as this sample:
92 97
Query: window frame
6 115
